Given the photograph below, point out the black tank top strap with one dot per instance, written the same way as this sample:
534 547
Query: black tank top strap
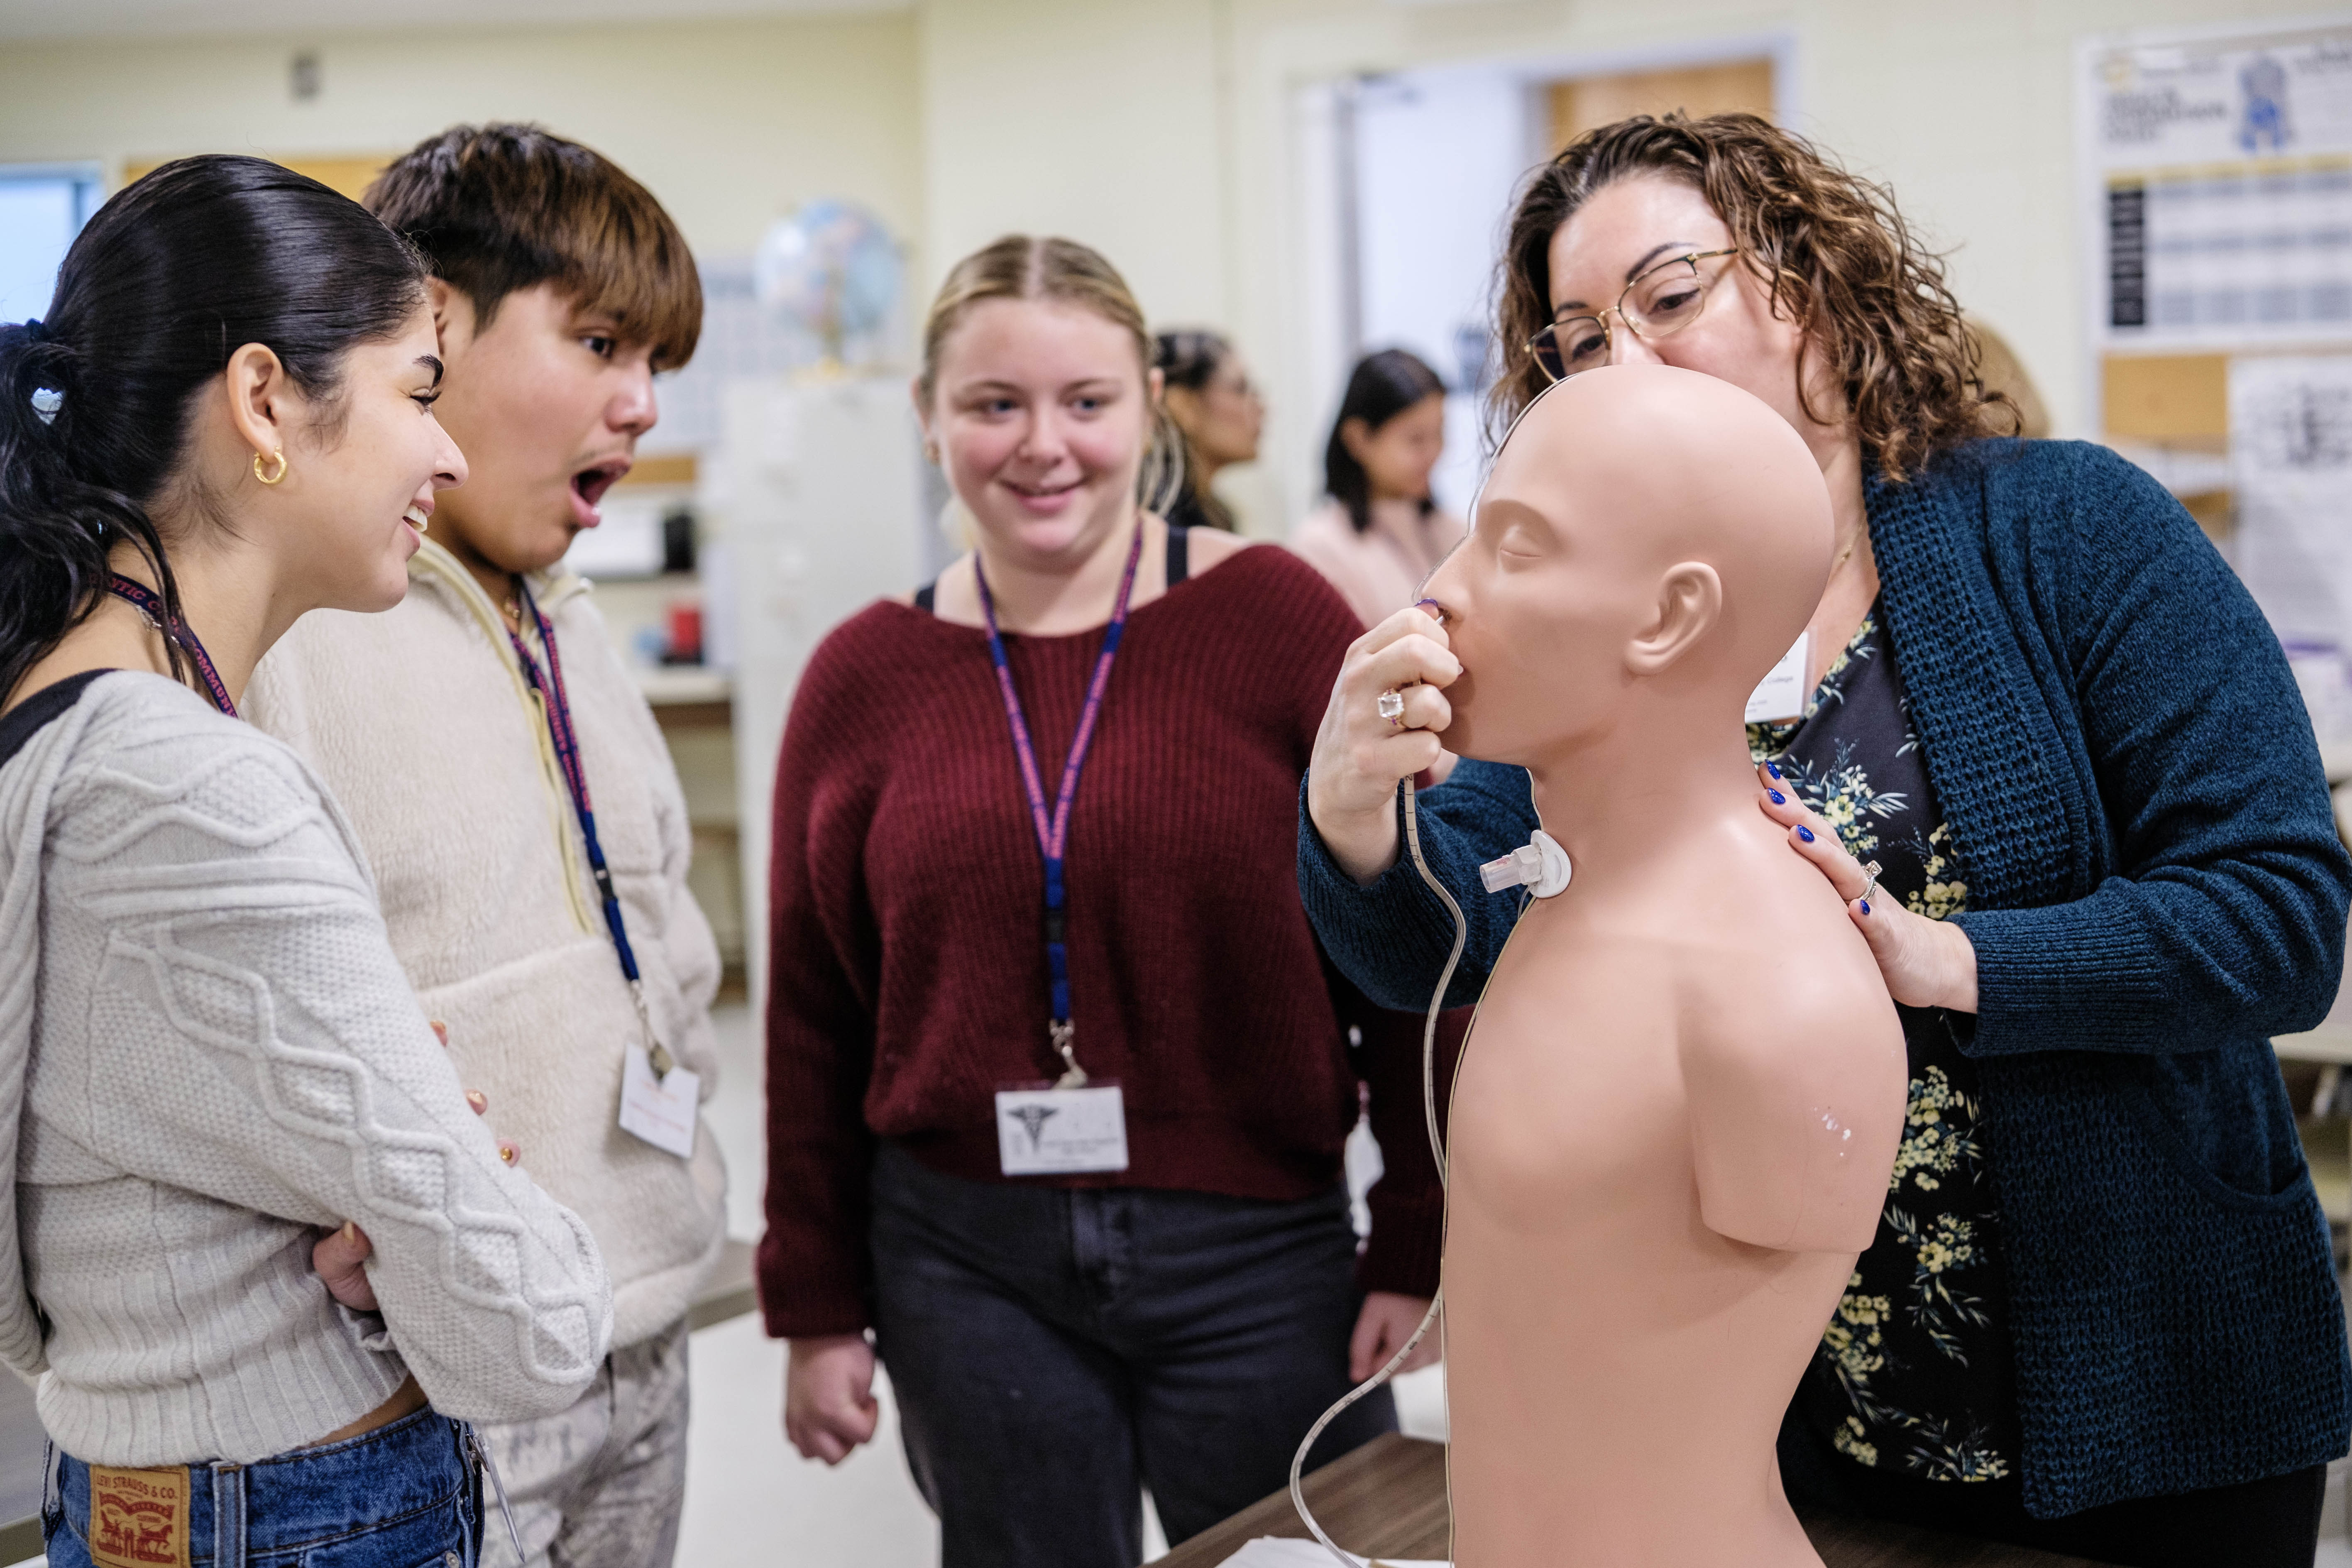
927 598
1180 564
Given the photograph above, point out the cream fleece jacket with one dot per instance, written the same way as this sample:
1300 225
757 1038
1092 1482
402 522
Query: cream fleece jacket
207 1055
420 722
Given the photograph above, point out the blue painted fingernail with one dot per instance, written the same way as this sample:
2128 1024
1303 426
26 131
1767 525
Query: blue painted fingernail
1866 905
1779 799
1806 834
1773 768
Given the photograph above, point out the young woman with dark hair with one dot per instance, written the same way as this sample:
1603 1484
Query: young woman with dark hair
2100 1316
1382 531
225 420
1209 395
469 730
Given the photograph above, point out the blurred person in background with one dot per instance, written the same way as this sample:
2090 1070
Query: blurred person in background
1209 395
2100 1316
960 919
208 1048
1381 533
515 796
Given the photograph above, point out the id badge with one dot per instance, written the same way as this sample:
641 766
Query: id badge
1780 696
1049 1132
661 1110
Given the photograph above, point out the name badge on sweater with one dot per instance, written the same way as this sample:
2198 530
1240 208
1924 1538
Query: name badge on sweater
1780 696
1061 1132
139 1518
660 1109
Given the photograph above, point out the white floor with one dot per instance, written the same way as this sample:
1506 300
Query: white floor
747 1493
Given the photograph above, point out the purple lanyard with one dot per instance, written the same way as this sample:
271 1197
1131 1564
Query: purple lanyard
180 632
549 684
1052 832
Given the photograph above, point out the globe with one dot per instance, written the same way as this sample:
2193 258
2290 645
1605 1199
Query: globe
832 270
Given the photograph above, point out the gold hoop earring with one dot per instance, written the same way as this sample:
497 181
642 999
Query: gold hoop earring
270 478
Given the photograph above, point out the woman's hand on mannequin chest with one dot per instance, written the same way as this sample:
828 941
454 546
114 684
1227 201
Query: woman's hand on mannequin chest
1926 962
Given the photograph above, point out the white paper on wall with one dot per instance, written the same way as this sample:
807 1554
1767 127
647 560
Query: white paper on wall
2291 468
2218 167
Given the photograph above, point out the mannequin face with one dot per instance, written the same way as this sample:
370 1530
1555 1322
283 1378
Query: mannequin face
1040 412
1540 601
1649 539
1398 456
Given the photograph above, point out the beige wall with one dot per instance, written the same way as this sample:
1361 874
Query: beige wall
730 123
1155 129
1967 111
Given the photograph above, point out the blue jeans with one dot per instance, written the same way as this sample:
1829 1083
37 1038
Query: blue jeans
406 1495
1055 1352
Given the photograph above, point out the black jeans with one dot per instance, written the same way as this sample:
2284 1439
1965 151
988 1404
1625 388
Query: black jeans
2269 1523
1055 1352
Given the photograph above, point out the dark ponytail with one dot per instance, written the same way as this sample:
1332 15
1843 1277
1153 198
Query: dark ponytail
168 279
1384 385
1191 358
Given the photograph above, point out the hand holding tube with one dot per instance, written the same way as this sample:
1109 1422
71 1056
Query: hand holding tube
1360 755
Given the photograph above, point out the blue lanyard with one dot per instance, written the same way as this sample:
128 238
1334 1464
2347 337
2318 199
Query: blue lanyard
1053 830
549 684
180 632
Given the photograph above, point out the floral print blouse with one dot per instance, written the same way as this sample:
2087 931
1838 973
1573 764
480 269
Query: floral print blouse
1913 1376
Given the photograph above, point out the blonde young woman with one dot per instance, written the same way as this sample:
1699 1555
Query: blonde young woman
978 948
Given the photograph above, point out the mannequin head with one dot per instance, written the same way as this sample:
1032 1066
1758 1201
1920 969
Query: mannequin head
1649 545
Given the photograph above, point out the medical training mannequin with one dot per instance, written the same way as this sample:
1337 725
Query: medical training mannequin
1674 1125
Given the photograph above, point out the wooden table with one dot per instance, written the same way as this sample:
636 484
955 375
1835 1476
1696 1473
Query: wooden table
1389 1497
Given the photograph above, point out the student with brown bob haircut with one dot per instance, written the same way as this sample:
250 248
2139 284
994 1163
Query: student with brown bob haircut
513 793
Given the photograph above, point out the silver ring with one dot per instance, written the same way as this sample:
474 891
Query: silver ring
1870 886
1391 707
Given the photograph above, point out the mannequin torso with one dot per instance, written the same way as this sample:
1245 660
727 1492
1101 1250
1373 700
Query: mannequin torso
1655 1199
1654 1204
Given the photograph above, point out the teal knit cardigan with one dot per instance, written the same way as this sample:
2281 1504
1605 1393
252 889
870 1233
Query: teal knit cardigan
2155 889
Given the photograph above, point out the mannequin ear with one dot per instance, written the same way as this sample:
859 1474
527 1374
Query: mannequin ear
1690 602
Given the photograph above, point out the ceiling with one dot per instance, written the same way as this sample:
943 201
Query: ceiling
292 20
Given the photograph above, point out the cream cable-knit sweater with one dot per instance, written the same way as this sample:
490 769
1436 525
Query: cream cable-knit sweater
208 1053
421 724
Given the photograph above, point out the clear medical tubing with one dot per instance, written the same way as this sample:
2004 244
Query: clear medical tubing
1437 1151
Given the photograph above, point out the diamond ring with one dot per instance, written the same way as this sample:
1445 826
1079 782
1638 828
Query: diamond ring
1870 869
1391 707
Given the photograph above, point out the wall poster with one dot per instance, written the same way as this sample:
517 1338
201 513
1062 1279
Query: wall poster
2220 174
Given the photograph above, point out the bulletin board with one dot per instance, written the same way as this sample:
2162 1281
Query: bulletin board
341 173
2216 179
2217 202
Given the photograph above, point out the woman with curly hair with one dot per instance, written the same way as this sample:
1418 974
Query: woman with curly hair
2100 1315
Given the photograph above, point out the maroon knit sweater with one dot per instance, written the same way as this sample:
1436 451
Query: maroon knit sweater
907 972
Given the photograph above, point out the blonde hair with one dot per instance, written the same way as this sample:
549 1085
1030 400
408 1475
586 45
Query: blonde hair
1023 267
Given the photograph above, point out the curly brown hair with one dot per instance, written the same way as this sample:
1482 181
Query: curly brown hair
1829 246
